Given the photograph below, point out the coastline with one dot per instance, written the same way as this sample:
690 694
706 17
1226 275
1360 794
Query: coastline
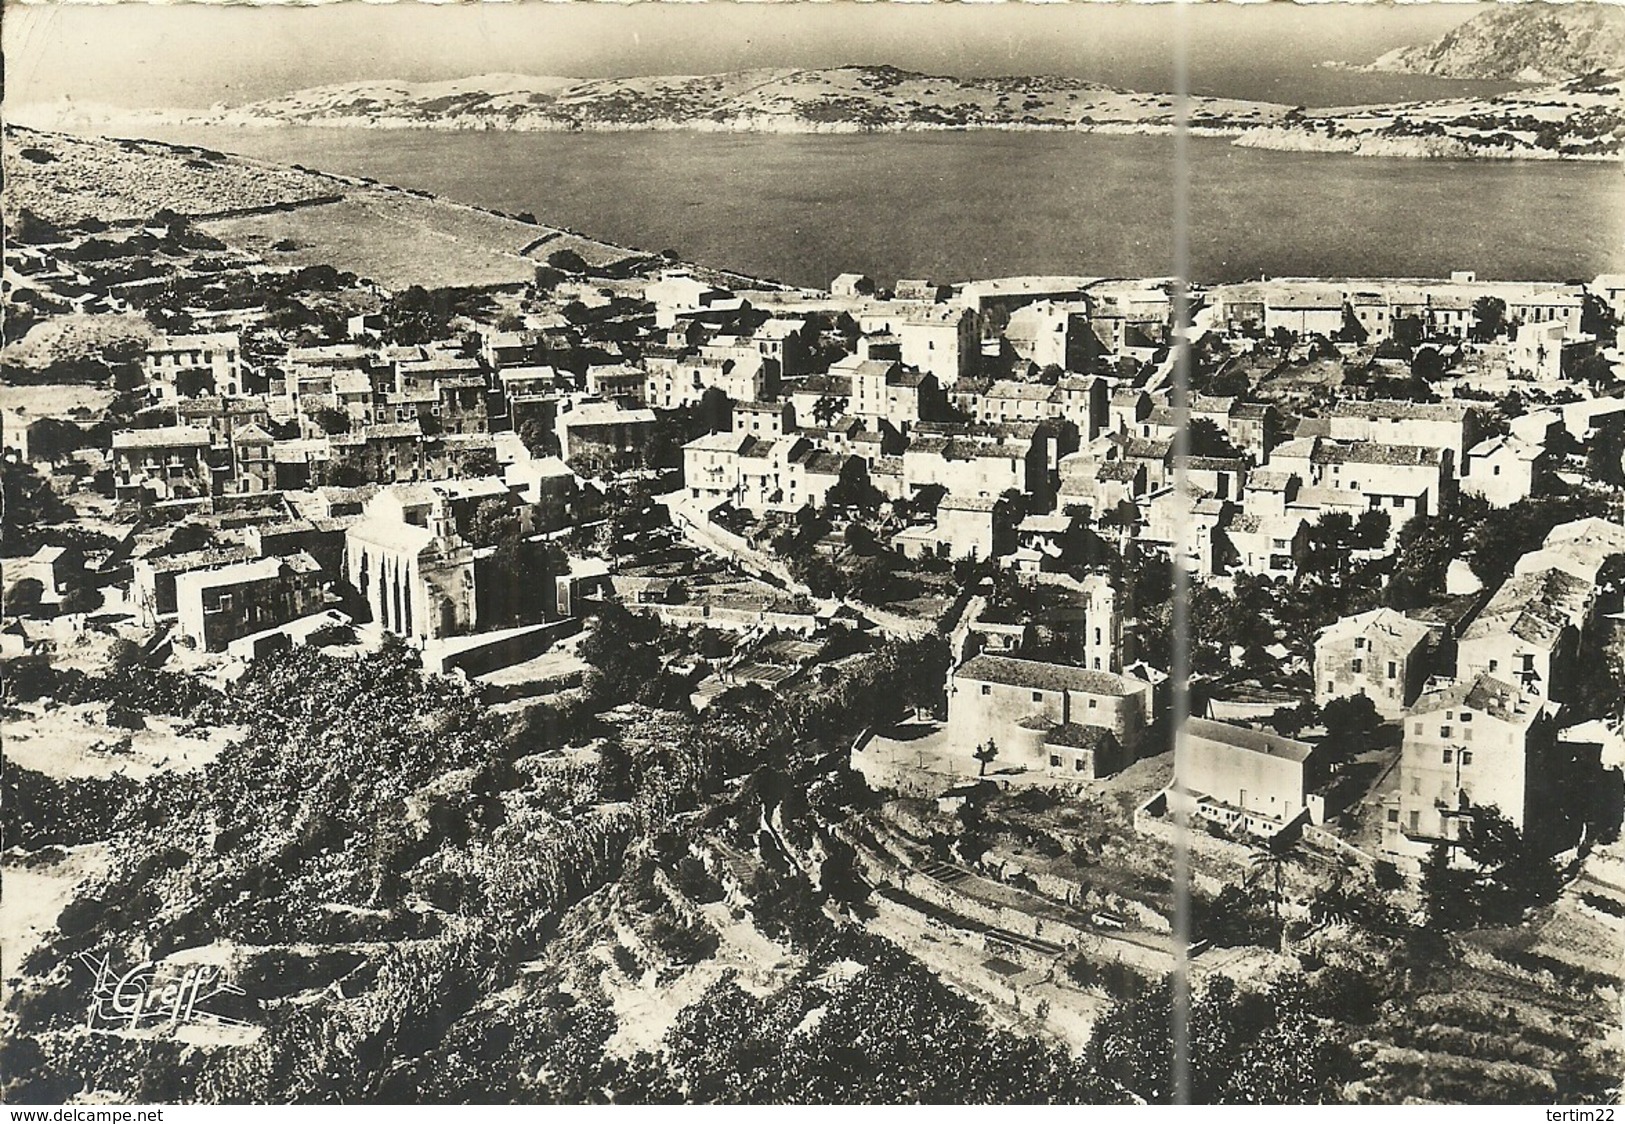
1241 134
1407 148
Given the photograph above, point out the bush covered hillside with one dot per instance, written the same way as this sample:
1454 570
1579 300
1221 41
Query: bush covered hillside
423 899
381 857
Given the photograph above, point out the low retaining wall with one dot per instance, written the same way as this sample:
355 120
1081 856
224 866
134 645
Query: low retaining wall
741 620
503 649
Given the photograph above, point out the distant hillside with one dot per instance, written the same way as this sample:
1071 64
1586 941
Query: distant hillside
844 99
284 215
1583 119
1528 42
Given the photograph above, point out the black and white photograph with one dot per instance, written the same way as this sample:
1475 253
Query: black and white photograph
652 554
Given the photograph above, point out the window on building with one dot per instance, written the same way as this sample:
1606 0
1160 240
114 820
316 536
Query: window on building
1038 696
1466 757
1093 703
1357 666
1416 822
1055 761
1449 756
1393 670
1444 731
986 689
1080 765
1393 815
1359 643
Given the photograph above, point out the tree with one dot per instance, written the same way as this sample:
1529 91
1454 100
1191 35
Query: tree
567 261
869 577
827 408
1349 722
517 581
1605 456
30 229
1494 545
121 655
715 410
1289 721
852 488
1272 859
1371 530
1489 318
860 538
53 440
1520 875
187 538
1407 331
537 436
1208 440
330 420
1597 319
23 597
1446 892
1427 364
1243 1048
984 754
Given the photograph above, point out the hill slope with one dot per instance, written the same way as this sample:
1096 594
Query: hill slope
1583 119
766 100
1529 42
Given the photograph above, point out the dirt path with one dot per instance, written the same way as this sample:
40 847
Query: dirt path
33 897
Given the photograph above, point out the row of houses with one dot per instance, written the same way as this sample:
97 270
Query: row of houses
1437 309
1481 709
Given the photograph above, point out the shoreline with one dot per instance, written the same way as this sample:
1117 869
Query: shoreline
1265 137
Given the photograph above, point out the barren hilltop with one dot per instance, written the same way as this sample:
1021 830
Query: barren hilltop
1581 119
766 100
1533 42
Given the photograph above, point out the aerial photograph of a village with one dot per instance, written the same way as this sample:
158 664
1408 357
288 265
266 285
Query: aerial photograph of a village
651 554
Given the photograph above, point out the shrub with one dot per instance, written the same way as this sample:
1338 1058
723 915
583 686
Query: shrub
331 635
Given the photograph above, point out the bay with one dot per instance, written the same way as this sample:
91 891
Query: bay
951 206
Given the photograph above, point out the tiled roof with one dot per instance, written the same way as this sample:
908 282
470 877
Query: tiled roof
952 502
1398 409
1266 481
252 435
1384 620
1074 736
196 560
1245 737
1019 391
1535 607
1484 693
1306 298
1042 676
1141 449
163 437
1371 452
393 430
